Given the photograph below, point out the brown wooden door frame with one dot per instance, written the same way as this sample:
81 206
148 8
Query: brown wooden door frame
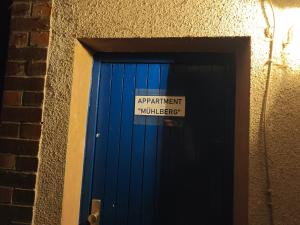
241 48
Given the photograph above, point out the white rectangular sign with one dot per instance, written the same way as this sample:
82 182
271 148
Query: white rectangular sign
160 106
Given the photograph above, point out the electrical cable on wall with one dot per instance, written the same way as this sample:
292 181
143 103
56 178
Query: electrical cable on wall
270 31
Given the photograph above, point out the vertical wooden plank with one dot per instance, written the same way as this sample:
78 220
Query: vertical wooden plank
137 155
90 144
125 144
163 84
176 173
112 155
216 145
150 155
102 129
228 155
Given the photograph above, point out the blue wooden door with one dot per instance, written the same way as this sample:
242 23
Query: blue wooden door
160 170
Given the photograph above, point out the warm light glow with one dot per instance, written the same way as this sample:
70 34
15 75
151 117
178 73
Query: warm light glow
288 36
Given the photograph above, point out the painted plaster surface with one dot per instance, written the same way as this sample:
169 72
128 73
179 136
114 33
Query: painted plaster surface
76 134
72 19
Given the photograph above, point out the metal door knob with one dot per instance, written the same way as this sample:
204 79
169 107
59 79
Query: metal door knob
93 218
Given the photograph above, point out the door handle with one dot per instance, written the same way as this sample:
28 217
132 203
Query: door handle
94 217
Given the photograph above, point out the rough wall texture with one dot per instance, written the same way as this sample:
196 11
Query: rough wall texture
73 19
21 112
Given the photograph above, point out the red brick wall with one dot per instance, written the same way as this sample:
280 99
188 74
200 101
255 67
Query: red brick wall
21 109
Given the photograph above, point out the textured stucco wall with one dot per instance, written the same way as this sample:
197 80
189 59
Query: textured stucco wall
73 19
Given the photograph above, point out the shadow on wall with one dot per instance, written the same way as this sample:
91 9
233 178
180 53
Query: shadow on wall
283 132
286 3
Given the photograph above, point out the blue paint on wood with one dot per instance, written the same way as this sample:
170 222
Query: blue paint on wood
102 130
125 144
89 145
150 154
112 155
163 85
146 167
137 155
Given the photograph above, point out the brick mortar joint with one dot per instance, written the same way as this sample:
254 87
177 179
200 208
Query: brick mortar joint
18 139
30 17
17 205
27 77
25 61
18 156
18 172
27 47
22 107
